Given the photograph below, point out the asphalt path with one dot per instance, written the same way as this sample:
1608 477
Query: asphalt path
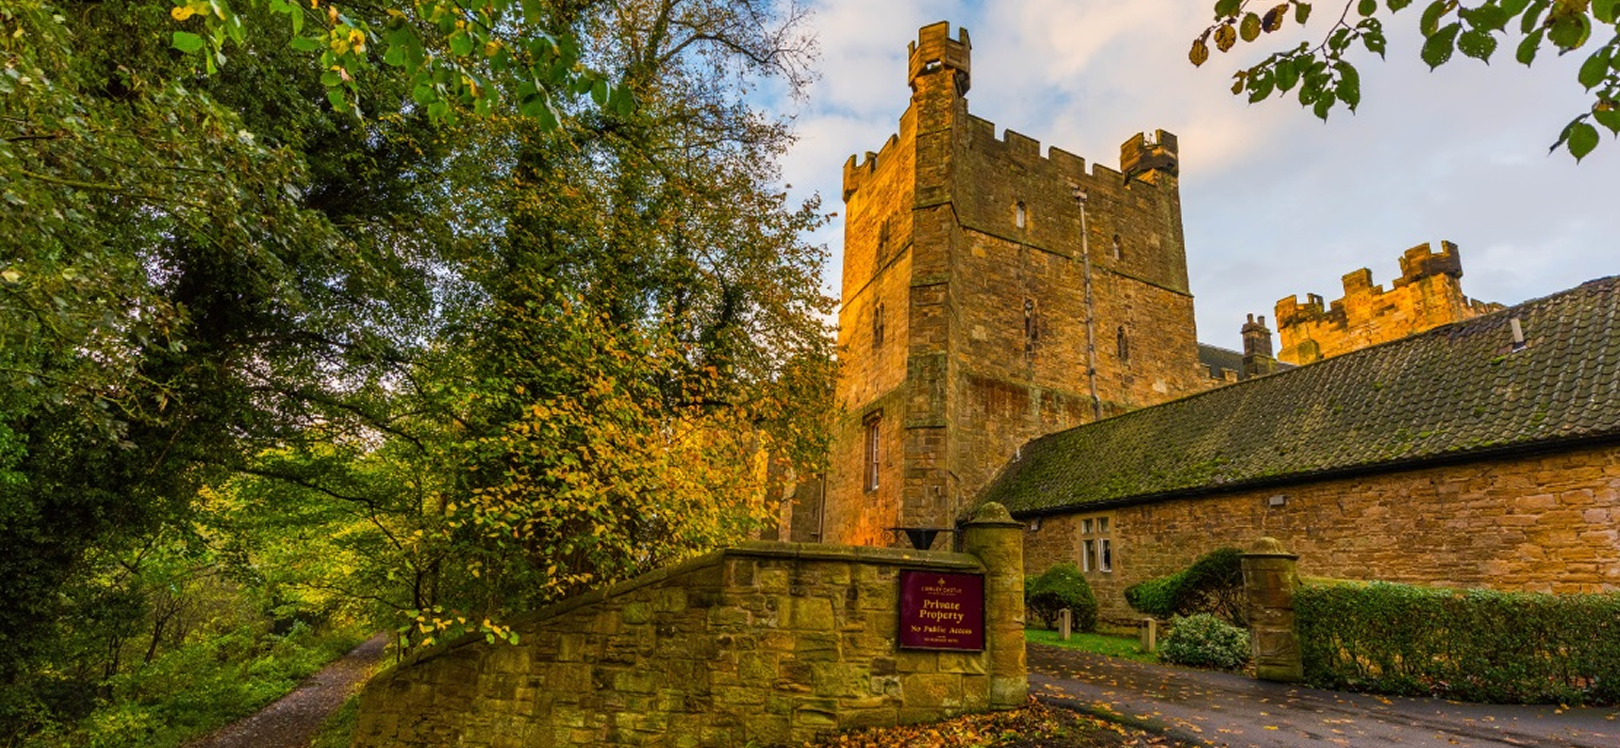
1223 709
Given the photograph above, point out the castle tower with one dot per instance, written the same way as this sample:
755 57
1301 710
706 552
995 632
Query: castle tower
992 294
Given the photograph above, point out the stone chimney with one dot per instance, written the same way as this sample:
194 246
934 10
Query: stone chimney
1257 358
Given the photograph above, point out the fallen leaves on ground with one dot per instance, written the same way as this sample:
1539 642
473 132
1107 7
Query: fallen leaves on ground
1034 726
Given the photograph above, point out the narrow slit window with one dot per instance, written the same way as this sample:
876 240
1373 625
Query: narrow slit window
1020 216
1123 343
1119 251
870 473
877 326
1032 327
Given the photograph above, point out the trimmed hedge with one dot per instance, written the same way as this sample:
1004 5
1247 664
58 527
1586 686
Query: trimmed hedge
1212 584
1474 645
1062 586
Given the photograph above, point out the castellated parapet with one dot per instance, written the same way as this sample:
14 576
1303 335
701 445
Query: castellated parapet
977 314
1427 295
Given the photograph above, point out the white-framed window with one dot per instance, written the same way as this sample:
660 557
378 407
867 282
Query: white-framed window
869 474
1096 544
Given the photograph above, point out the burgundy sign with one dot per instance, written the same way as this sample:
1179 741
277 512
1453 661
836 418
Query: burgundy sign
941 611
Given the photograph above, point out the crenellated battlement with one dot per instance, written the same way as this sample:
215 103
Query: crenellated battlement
1420 262
1142 154
935 52
1428 294
859 169
1138 154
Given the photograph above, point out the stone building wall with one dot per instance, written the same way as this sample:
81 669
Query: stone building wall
971 244
1427 295
1548 523
757 645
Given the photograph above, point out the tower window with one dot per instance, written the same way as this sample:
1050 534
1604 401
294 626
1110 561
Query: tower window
1020 215
877 326
870 471
1119 252
1123 342
883 240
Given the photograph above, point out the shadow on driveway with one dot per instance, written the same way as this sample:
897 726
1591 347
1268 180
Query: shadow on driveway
1233 710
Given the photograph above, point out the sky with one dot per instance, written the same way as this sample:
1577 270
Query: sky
1274 201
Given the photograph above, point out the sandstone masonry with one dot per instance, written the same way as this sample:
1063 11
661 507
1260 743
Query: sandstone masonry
757 645
1427 295
1543 523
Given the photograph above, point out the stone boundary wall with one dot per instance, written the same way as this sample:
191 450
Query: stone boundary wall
760 644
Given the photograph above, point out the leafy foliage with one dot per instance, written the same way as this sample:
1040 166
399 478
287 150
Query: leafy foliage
1203 640
178 289
453 55
1473 645
1325 76
1212 584
391 367
1062 586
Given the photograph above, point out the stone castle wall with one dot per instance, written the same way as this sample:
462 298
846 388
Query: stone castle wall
1427 295
757 645
1548 523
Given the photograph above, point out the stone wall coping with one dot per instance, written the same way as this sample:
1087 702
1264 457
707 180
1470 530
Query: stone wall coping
942 560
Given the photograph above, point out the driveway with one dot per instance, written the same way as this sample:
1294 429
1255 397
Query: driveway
1233 710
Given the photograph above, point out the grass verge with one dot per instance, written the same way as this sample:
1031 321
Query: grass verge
338 729
1103 644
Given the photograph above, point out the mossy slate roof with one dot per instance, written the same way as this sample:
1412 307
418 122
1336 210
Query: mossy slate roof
1454 392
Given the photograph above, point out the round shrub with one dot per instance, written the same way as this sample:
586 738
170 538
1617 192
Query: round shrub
1204 640
1062 586
1212 584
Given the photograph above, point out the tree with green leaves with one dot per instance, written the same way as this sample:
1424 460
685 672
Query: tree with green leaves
641 330
192 269
453 56
1322 75
498 361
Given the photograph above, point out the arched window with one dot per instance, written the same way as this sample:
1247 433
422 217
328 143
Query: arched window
1119 251
1020 215
1124 342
